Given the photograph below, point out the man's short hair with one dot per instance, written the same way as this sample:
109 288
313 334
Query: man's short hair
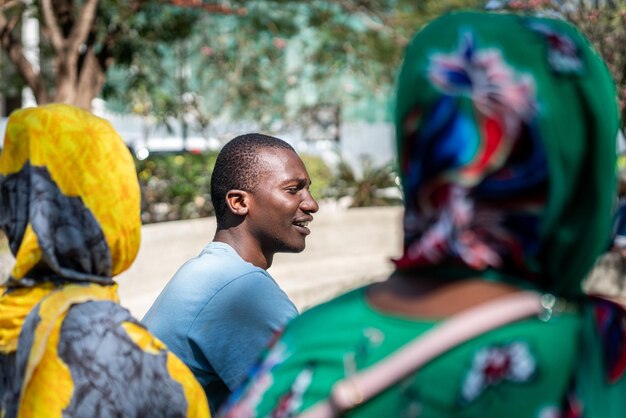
238 167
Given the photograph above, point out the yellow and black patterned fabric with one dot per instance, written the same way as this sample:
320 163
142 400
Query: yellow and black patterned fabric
69 205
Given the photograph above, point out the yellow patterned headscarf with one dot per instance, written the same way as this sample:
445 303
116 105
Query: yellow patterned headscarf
69 205
70 200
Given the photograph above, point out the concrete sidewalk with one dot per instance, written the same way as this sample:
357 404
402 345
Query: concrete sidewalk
346 248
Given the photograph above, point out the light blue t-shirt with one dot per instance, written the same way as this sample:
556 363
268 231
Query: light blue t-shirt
217 314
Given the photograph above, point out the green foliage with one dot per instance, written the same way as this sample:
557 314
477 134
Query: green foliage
178 186
321 175
274 61
175 186
603 22
355 48
138 81
119 30
231 66
11 83
267 62
141 27
375 186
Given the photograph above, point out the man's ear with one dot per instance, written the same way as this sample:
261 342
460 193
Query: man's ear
238 201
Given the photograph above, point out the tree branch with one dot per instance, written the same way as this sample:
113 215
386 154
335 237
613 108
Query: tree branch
10 26
105 55
16 54
56 37
7 4
211 8
84 24
90 80
373 20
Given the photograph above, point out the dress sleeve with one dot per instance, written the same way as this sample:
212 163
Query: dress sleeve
236 325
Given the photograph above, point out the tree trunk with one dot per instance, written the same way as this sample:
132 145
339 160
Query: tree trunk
68 35
66 83
90 81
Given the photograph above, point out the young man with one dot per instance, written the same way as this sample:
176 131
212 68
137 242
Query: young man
222 307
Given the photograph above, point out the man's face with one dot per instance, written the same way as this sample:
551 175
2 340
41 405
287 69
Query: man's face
281 206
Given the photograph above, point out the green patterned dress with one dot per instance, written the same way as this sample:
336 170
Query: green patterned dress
520 370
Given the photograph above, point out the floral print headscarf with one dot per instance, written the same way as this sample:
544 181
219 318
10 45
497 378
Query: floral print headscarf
506 130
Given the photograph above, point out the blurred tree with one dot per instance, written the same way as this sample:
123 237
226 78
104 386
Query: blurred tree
82 38
262 59
232 65
357 45
273 59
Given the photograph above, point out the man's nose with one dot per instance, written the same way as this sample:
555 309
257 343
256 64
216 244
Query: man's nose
309 204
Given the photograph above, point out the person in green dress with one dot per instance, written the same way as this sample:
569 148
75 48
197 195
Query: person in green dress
506 130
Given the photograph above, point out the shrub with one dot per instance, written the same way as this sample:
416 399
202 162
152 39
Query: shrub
374 186
175 186
321 175
178 186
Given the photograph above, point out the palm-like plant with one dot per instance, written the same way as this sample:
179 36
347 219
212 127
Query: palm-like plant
373 186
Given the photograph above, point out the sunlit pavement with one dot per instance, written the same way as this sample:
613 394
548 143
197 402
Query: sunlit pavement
608 278
346 248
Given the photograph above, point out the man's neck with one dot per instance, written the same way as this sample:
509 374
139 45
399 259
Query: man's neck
246 247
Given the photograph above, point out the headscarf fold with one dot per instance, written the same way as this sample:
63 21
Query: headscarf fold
506 129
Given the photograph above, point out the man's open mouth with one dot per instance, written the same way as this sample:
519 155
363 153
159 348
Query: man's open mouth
302 227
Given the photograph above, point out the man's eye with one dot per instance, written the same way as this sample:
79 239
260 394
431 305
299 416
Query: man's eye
292 190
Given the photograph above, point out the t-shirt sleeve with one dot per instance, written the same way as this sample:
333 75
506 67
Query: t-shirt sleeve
238 322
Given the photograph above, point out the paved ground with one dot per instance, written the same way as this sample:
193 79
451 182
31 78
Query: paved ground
608 278
346 248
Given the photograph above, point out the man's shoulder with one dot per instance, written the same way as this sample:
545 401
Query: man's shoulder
222 279
252 291
253 285
217 266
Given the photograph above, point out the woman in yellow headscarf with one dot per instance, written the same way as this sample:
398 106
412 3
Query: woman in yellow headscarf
69 205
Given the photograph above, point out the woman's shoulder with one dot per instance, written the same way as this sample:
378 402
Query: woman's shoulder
344 312
336 308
